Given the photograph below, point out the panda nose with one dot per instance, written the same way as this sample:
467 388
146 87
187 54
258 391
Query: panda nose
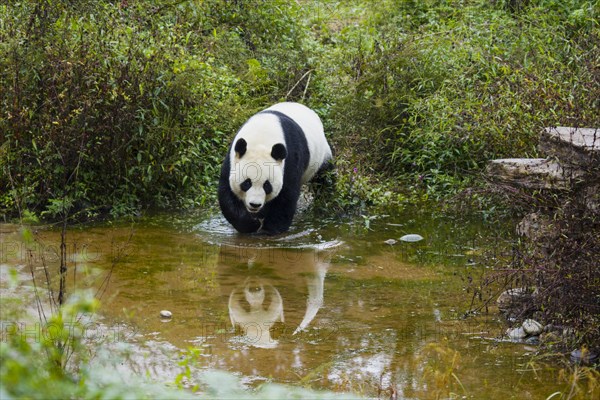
256 206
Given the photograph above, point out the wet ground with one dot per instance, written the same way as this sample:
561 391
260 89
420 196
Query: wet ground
329 305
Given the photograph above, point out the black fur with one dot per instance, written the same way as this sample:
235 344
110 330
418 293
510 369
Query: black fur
277 214
240 147
278 152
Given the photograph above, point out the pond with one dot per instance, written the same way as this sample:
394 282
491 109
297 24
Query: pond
333 304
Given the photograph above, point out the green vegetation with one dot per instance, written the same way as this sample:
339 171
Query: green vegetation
113 107
109 107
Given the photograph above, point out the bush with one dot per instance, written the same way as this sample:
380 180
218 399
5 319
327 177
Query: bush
114 108
431 91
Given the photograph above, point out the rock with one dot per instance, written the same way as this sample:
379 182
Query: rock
532 327
516 333
413 237
166 314
391 242
584 356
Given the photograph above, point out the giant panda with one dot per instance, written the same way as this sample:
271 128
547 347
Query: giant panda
272 155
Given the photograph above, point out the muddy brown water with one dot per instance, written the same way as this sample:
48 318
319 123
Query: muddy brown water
328 305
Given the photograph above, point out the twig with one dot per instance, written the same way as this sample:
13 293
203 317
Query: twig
62 290
40 308
51 299
306 87
297 83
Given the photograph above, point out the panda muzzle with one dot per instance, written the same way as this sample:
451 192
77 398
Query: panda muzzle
254 207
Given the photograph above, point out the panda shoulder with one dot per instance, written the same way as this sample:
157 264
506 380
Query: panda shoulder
262 129
296 111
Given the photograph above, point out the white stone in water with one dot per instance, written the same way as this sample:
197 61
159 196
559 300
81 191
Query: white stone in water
516 333
413 237
391 242
532 327
166 314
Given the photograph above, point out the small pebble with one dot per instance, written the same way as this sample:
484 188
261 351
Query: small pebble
391 242
166 314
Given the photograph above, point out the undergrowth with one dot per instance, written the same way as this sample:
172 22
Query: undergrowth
115 107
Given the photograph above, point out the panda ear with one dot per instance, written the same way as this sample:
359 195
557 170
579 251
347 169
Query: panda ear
240 147
279 152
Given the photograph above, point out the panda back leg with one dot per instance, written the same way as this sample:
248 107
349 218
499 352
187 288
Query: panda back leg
325 175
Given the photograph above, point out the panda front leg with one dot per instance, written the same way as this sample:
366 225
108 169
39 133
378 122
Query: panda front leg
244 223
278 221
235 212
280 214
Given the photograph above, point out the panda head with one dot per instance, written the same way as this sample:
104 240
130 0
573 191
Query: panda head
256 175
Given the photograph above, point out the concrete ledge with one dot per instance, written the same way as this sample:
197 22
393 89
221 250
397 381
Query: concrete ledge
533 173
572 146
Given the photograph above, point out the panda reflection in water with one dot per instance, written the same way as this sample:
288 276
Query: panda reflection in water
273 154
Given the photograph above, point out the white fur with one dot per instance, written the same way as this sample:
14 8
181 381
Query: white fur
262 132
313 130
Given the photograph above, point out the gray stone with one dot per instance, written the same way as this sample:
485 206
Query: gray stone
166 314
532 327
516 333
391 242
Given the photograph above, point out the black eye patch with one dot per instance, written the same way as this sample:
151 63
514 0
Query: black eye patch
246 185
268 187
